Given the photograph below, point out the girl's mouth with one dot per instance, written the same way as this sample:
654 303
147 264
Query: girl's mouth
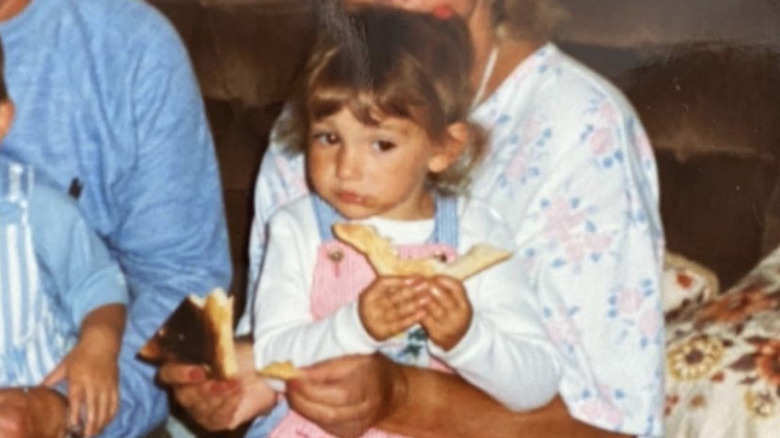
350 198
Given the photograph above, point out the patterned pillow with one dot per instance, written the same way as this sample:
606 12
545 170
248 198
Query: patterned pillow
723 361
685 282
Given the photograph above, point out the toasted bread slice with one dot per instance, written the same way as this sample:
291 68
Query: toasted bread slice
385 260
199 331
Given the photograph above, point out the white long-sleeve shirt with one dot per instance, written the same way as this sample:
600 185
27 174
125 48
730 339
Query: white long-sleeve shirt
505 351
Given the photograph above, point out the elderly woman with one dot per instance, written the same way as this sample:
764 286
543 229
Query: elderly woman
571 171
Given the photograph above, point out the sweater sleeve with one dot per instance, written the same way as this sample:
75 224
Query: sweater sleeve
505 351
172 239
284 328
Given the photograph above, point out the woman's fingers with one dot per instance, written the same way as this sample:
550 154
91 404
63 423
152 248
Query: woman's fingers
174 374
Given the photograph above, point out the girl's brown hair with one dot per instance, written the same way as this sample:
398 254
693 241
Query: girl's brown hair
381 62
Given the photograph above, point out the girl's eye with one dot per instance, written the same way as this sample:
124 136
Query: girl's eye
327 138
383 145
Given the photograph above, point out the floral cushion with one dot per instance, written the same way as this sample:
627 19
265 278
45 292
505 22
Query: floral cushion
723 361
685 282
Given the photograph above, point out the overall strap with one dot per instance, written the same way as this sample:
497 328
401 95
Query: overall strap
326 217
445 229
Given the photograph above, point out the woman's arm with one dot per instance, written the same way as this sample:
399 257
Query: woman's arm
438 405
346 396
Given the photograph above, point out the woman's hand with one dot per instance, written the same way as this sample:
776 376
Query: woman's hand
391 305
220 405
348 395
36 413
448 312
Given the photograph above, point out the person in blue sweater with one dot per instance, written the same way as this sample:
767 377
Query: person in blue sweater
109 110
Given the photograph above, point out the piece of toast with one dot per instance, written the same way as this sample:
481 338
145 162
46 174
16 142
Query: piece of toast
385 260
199 331
280 370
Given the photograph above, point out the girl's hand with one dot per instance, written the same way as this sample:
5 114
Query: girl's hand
91 369
93 384
448 312
391 305
92 374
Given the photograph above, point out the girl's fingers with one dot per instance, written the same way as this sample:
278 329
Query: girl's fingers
97 409
92 412
113 404
76 402
446 296
57 374
104 411
454 288
443 297
403 307
408 321
435 310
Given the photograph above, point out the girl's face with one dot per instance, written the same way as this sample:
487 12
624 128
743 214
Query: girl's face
464 8
363 170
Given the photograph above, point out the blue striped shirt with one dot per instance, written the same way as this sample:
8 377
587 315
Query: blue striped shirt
54 270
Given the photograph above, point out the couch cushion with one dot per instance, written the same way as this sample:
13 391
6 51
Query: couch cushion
723 361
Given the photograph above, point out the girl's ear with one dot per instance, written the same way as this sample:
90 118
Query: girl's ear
451 147
6 117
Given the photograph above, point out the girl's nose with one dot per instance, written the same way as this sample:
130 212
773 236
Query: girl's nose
348 165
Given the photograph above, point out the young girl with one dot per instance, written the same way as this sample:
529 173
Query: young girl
387 142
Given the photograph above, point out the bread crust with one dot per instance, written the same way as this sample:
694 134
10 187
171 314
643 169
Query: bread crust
199 331
385 260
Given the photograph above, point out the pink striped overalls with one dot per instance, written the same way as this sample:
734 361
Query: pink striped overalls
341 273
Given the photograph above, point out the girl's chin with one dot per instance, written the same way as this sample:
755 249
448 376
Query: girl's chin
355 213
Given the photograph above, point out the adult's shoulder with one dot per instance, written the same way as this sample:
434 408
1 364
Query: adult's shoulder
131 16
569 85
134 25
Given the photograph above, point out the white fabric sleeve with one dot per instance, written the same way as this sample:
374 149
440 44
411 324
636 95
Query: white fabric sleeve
506 351
284 328
281 179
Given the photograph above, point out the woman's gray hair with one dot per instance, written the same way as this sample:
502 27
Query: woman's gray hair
527 19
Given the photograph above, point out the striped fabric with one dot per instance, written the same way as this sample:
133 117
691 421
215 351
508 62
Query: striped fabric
29 346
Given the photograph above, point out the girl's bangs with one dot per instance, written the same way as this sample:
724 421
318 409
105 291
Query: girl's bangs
369 107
